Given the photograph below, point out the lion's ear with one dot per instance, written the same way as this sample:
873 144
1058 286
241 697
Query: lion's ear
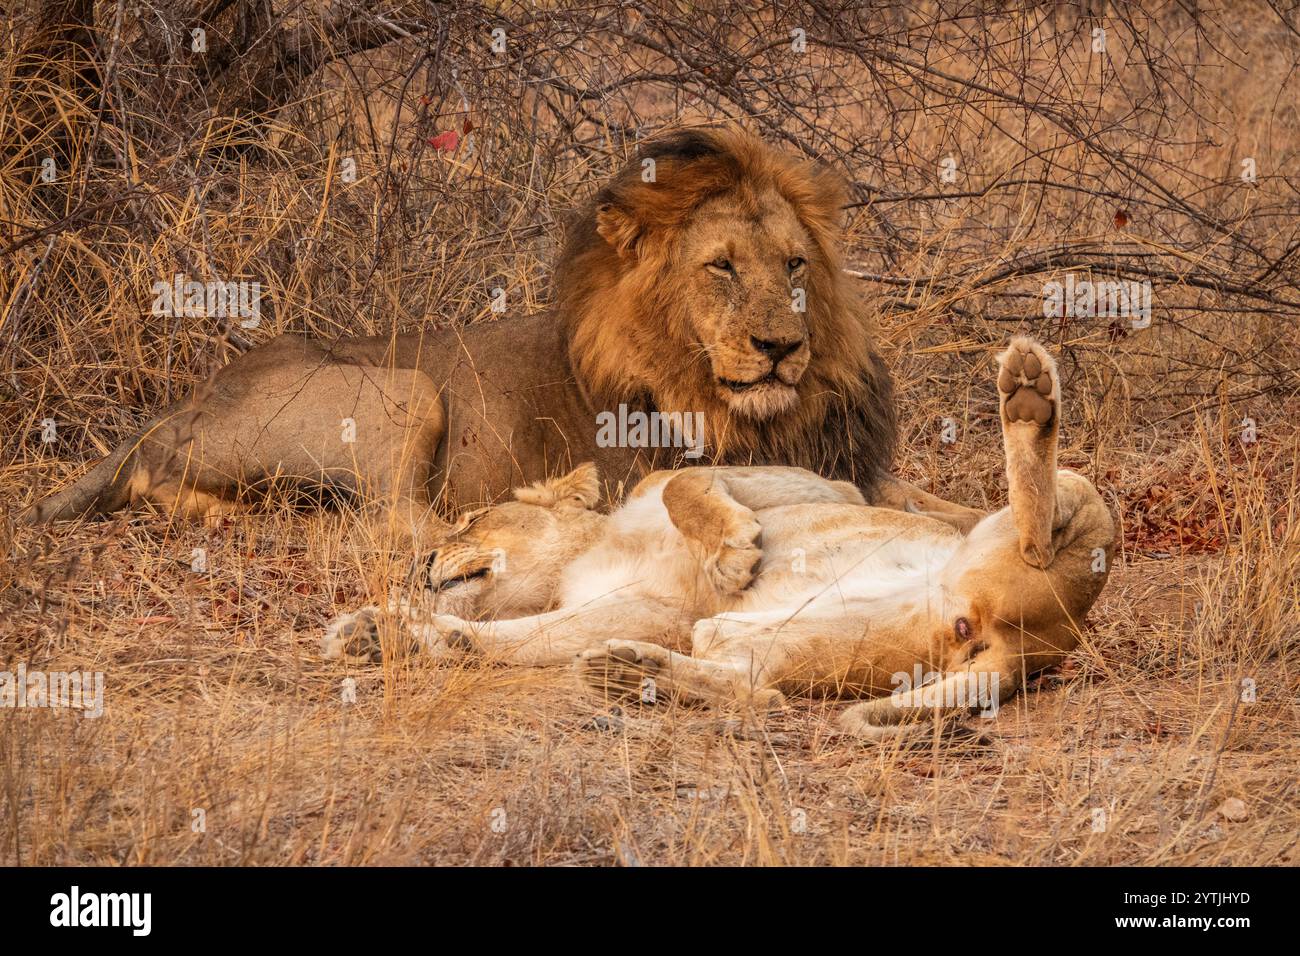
580 488
818 194
618 228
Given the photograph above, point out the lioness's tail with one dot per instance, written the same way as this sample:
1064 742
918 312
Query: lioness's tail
103 489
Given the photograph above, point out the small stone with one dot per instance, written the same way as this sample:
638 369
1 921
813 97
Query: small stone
1234 809
610 723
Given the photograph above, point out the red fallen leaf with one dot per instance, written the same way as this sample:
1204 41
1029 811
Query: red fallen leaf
302 588
446 141
1121 218
424 100
467 127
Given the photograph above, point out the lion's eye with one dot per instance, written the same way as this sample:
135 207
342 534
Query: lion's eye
722 264
795 264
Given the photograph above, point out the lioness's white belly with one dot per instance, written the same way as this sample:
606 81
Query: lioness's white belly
819 555
814 555
641 554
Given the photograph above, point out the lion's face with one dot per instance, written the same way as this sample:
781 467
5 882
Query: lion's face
740 266
505 560
705 277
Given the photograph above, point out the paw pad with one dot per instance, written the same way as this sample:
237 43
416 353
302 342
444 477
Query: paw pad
1027 382
618 671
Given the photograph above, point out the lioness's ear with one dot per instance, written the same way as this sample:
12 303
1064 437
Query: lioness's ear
467 518
618 228
580 488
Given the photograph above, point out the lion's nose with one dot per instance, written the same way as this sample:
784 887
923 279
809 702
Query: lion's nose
774 349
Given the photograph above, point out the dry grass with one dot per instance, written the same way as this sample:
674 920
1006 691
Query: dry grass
218 702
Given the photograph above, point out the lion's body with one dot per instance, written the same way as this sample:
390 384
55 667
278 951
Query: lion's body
734 582
773 352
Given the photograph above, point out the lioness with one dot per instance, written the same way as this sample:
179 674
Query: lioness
842 598
710 286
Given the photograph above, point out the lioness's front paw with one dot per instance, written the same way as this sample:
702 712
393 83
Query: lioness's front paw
1028 383
453 633
354 637
623 669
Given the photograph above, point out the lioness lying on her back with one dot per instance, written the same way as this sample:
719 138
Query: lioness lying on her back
842 598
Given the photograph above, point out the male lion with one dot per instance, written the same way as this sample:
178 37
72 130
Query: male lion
703 279
842 598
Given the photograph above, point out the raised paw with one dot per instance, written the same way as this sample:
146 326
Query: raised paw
1028 384
353 637
624 669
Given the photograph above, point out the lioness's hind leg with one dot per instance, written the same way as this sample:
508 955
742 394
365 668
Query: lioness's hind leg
1030 402
652 672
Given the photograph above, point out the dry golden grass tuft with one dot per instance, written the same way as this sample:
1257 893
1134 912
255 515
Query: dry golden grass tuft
219 710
